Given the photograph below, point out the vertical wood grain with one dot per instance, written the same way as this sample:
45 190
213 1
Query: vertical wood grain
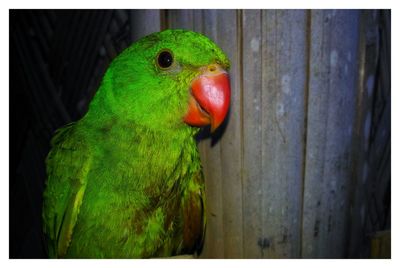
186 19
144 22
181 19
217 243
331 114
283 92
210 153
229 39
211 159
277 183
252 143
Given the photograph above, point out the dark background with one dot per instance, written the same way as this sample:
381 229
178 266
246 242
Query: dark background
57 59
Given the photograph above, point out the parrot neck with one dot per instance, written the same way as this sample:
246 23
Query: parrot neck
151 159
105 110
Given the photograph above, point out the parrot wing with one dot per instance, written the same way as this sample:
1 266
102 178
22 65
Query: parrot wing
68 165
194 215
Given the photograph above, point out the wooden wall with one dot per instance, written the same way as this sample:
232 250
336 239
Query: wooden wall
280 180
292 171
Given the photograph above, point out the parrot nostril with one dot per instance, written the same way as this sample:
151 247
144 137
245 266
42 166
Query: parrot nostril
212 68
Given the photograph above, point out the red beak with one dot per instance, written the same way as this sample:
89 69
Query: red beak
209 99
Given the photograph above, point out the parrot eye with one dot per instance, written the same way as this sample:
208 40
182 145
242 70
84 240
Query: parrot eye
164 59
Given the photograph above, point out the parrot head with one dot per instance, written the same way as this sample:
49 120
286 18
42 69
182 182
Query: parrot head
173 78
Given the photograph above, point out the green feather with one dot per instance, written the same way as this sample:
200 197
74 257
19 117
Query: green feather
125 181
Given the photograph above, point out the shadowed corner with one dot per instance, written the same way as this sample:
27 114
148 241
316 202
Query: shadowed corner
205 132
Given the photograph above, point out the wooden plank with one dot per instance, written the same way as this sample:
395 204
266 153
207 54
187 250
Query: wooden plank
198 24
284 72
229 39
185 19
223 156
222 161
189 19
252 143
144 22
210 153
330 117
180 19
211 159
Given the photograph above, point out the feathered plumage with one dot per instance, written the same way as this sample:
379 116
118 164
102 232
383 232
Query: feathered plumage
125 181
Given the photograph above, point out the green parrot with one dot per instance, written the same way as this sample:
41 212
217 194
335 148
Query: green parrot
125 181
